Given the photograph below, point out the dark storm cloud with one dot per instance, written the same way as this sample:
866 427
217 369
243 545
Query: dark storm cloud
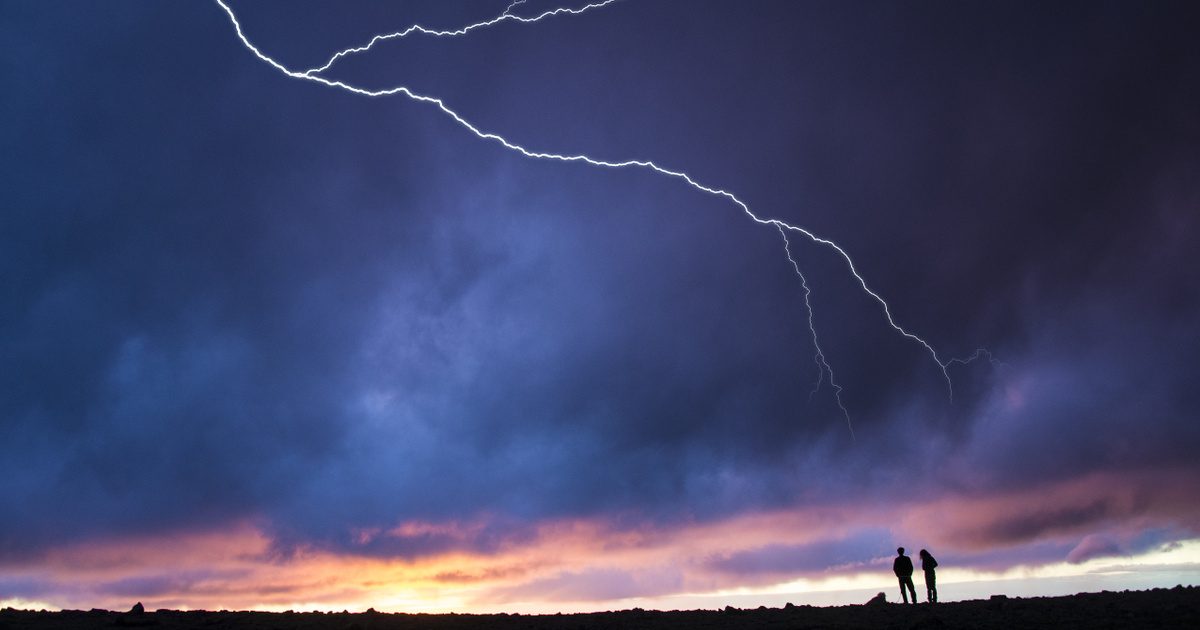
172 340
228 294
1098 392
1093 547
1030 526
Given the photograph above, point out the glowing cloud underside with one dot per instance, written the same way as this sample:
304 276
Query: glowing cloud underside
823 366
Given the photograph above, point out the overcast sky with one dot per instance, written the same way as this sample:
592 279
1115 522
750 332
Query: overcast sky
255 329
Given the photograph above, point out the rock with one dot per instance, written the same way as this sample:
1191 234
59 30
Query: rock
136 618
730 610
878 600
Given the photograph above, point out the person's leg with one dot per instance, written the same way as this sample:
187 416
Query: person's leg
903 595
907 581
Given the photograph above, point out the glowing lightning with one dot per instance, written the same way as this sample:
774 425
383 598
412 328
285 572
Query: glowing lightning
783 227
819 354
512 5
417 28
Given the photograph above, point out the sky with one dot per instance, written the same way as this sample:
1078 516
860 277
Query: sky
268 342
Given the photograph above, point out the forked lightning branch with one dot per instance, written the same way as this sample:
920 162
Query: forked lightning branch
316 75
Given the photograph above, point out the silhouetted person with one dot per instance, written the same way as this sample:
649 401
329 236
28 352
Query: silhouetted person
903 569
928 564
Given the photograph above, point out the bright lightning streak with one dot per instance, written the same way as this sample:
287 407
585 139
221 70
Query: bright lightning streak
512 5
312 75
417 28
819 354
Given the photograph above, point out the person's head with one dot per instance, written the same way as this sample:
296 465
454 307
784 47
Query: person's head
900 551
924 554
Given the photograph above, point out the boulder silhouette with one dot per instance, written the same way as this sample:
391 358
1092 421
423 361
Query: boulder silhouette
878 600
136 618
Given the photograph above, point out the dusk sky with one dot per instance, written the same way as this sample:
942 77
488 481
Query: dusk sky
269 342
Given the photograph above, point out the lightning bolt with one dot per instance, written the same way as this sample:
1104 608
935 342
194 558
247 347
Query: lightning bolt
458 32
819 354
512 5
980 353
314 75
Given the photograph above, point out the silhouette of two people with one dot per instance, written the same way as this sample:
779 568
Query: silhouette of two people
902 566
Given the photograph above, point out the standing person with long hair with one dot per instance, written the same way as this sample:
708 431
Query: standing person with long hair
928 564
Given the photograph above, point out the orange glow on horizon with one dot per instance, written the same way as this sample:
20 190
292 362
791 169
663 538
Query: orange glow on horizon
564 565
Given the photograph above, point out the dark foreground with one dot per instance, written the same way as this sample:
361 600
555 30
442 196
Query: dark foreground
1159 608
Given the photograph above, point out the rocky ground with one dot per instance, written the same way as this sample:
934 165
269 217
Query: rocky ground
1159 608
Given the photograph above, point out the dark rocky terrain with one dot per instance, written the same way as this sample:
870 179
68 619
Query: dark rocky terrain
1178 607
